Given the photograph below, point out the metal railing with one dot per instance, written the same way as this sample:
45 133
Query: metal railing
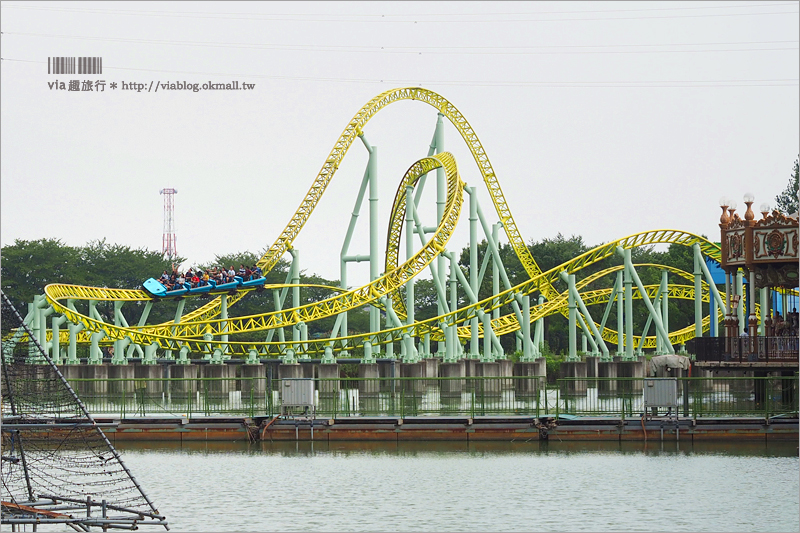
745 349
460 396
696 397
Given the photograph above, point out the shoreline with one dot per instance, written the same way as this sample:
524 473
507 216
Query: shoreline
455 429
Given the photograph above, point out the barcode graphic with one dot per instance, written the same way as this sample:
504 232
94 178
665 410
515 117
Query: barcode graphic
73 65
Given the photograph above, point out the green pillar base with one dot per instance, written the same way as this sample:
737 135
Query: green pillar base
369 355
289 358
328 357
183 357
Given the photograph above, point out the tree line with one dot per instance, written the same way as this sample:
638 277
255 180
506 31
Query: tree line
28 266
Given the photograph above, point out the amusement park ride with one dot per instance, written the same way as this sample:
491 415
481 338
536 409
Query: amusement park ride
209 332
39 403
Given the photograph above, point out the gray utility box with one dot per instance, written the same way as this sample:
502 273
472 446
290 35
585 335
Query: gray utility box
660 392
297 395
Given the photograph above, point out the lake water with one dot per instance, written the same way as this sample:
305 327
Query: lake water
428 486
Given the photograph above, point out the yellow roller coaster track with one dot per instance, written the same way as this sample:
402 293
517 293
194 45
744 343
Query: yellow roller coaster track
193 325
387 283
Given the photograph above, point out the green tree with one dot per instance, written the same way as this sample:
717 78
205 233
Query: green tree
27 266
786 202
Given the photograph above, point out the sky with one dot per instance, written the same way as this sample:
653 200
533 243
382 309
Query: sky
601 119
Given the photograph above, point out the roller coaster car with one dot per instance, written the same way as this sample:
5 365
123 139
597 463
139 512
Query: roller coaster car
157 290
201 290
225 287
255 283
178 292
154 287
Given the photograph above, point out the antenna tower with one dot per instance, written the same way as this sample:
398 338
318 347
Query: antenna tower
168 242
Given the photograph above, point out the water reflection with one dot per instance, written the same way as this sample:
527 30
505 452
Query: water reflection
479 486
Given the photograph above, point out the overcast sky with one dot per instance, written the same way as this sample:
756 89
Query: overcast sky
601 119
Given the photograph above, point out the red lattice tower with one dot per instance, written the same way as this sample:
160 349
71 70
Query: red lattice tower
168 246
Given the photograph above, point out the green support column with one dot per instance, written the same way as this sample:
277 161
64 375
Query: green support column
119 345
369 357
764 310
183 356
219 353
374 255
713 317
712 288
658 304
33 313
451 352
487 338
656 318
208 337
177 320
72 350
665 299
43 310
628 282
95 355
295 291
74 329
441 201
57 322
589 330
473 267
528 349
618 283
150 354
646 330
698 297
142 321
278 297
491 238
389 350
573 311
495 272
410 298
620 315
539 329
289 358
37 326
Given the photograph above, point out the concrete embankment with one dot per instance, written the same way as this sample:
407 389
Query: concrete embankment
426 428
